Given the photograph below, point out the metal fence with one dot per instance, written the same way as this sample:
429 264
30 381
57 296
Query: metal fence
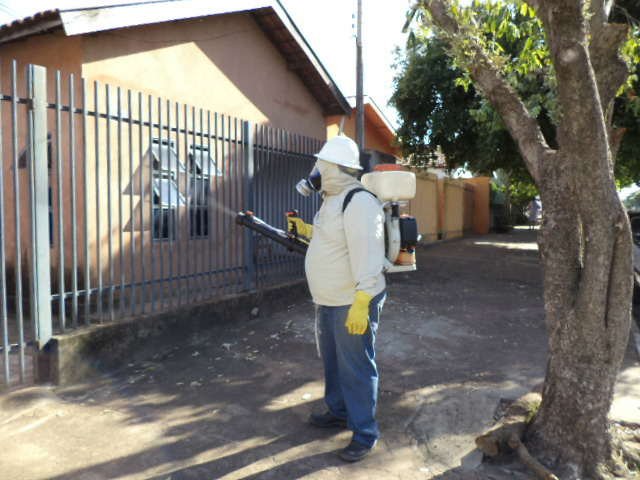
116 204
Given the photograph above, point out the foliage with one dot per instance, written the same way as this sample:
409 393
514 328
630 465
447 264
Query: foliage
434 111
516 196
632 201
440 109
627 104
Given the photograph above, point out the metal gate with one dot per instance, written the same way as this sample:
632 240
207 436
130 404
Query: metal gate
116 204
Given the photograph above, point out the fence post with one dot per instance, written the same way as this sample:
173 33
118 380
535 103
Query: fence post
40 265
248 270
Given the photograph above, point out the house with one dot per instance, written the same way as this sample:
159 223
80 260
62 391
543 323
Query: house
126 169
379 134
244 59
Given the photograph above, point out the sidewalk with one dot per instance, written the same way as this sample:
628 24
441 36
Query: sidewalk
456 337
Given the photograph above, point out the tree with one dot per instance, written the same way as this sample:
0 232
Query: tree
627 105
585 239
632 202
438 115
440 110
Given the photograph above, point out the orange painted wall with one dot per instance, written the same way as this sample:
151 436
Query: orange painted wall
424 206
55 52
222 63
373 139
453 208
482 190
231 67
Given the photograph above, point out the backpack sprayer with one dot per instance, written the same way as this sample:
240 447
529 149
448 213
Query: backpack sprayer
393 187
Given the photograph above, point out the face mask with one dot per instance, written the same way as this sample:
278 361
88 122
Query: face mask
310 184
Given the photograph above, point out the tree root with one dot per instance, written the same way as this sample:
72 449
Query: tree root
505 436
528 461
495 441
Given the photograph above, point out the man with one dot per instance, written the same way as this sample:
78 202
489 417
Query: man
344 268
534 211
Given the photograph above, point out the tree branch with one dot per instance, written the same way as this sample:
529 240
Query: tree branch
609 68
600 11
524 128
604 51
585 80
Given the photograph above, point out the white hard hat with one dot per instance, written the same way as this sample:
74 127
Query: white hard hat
342 151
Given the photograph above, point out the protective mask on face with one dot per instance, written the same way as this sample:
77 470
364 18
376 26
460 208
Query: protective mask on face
310 184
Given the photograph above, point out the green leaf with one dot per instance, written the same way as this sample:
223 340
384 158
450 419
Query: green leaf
523 9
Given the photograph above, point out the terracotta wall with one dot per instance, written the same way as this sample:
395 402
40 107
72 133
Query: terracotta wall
481 192
54 51
452 208
373 139
424 206
446 208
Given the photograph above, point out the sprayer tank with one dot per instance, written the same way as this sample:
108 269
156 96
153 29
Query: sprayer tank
391 186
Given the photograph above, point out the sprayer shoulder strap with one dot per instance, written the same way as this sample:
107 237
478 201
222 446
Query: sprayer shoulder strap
351 193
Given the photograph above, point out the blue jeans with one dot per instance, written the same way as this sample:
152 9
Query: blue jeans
351 375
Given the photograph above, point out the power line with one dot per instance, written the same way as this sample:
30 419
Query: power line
9 11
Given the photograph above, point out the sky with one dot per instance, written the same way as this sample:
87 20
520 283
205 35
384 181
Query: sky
329 26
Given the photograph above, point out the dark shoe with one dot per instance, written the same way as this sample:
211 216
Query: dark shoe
326 420
355 452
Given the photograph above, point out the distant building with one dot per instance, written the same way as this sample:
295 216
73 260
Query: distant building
379 135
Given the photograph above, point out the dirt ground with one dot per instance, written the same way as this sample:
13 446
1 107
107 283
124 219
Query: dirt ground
457 339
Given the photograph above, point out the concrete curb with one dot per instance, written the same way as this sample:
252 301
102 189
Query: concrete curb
88 353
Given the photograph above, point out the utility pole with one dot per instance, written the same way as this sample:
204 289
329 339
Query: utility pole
359 84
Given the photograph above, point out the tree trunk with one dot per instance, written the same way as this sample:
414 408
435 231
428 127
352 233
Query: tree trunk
586 259
585 239
587 339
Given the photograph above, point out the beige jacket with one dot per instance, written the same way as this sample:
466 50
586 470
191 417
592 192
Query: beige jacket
346 252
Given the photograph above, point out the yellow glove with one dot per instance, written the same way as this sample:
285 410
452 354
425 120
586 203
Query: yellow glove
358 318
302 228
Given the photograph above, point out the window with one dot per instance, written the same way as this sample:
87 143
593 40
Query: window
165 158
166 195
201 168
198 157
